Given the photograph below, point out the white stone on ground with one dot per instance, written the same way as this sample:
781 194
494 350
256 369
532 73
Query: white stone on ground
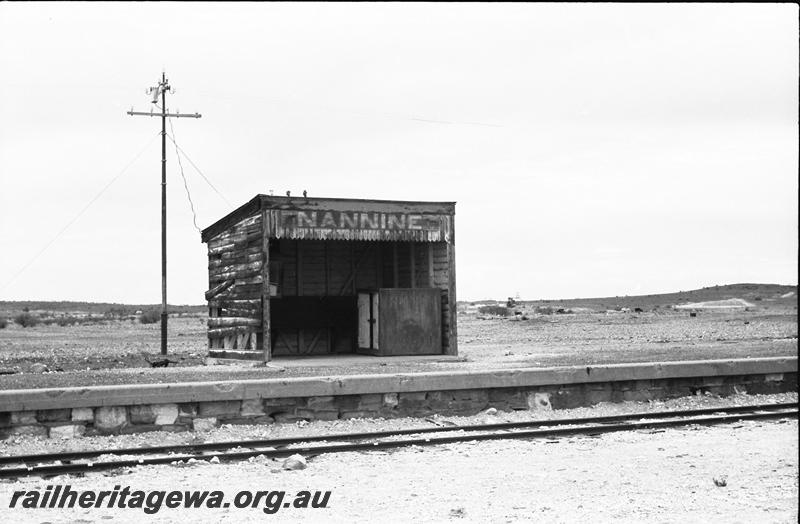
39 368
296 461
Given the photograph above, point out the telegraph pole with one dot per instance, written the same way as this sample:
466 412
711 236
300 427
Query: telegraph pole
161 89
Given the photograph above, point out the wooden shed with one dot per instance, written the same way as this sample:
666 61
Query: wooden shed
324 276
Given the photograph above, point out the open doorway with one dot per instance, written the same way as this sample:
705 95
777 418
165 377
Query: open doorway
326 298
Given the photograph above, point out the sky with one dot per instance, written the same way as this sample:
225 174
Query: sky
592 149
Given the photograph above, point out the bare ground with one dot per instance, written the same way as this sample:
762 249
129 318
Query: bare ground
118 351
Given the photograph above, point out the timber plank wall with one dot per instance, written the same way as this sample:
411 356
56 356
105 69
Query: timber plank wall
235 262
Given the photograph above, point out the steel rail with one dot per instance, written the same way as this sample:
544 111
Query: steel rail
678 419
214 446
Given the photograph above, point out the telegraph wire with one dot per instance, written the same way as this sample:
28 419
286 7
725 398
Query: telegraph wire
200 172
183 176
81 212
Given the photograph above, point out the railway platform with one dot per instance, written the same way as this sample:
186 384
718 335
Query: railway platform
178 406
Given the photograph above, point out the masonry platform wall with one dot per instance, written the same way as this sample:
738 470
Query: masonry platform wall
64 421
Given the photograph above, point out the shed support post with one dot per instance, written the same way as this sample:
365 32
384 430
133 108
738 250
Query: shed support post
266 332
430 265
353 267
379 265
299 337
395 270
299 260
452 334
413 265
327 268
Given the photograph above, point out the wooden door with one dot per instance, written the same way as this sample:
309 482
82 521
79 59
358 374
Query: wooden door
364 340
368 325
410 321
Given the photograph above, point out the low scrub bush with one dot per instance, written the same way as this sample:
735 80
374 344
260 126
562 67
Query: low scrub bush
544 310
116 312
151 316
501 311
3 322
69 320
25 319
66 321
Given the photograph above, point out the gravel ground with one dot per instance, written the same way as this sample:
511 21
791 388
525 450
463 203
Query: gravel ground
663 475
99 355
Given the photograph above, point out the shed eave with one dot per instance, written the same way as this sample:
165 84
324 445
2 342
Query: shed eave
247 209
283 202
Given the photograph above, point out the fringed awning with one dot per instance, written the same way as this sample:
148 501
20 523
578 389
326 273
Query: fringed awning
358 225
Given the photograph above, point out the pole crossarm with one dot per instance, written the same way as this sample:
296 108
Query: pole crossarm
175 115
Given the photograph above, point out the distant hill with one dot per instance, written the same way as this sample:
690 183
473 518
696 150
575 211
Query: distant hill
758 294
94 308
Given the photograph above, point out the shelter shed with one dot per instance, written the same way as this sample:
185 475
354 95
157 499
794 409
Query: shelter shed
325 276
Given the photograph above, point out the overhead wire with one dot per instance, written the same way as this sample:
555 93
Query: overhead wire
178 152
179 148
183 176
80 213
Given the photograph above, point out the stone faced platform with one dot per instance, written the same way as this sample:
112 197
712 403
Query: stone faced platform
201 405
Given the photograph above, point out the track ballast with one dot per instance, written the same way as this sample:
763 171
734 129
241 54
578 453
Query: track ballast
51 464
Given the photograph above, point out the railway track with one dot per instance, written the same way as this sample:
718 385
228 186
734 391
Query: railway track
51 464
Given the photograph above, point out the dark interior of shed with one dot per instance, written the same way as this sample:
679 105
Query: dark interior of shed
315 287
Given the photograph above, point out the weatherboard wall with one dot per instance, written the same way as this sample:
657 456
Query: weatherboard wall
235 277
